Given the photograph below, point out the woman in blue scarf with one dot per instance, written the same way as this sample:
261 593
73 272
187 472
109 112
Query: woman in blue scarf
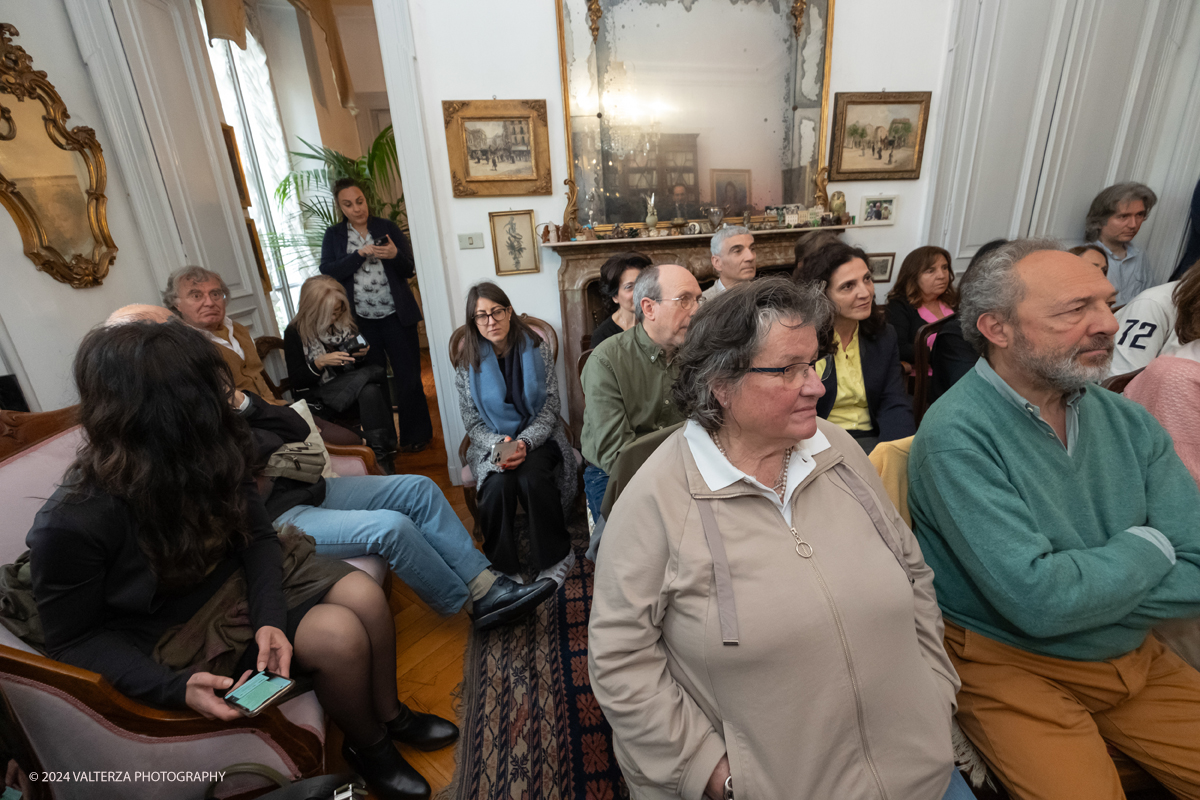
508 390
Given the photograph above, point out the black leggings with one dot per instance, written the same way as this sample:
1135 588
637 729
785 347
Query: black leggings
402 346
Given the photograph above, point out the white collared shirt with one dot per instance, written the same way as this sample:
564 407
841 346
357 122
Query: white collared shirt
718 472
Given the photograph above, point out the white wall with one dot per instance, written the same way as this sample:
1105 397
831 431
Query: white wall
280 22
44 318
894 47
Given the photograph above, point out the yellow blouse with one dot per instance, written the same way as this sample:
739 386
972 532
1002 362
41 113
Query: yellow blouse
850 408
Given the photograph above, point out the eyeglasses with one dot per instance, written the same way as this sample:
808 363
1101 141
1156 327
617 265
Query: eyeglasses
796 374
497 314
686 301
215 295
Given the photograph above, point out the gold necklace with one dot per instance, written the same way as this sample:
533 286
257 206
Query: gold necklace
780 480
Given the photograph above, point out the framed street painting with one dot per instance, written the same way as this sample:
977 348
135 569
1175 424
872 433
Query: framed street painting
881 266
514 242
878 135
497 147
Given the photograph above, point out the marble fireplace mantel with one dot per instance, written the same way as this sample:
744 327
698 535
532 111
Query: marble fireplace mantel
581 262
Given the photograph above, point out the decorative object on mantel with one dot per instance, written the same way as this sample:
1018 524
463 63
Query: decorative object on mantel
837 207
514 242
879 210
651 213
881 266
715 214
878 135
52 178
497 147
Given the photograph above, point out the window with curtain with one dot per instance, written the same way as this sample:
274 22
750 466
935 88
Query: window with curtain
248 104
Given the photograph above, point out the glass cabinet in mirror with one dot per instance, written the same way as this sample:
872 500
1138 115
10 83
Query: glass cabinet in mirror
694 104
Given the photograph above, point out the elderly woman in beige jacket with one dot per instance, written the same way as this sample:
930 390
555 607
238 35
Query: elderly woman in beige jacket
764 624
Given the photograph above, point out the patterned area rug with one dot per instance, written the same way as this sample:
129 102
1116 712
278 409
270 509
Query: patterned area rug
531 727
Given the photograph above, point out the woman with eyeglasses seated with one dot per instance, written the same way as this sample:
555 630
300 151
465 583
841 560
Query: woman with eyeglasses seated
617 277
508 392
761 526
155 563
864 390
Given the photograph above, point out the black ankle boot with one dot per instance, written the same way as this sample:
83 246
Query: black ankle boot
388 775
422 731
385 456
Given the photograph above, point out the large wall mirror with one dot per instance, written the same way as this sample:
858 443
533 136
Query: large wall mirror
51 177
697 102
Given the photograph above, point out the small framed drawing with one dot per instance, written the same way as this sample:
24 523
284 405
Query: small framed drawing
497 147
514 242
878 210
881 266
878 135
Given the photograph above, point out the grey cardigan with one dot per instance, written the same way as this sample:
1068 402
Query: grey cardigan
545 427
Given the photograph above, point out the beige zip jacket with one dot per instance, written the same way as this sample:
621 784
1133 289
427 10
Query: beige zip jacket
839 686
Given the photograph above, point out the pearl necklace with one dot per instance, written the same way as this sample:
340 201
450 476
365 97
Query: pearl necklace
780 481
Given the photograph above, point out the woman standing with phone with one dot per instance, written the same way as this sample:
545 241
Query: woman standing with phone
373 261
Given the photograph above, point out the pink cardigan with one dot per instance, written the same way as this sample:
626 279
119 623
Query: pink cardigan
1169 388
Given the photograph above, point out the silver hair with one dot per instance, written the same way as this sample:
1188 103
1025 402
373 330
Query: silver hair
727 333
991 286
646 285
191 274
718 239
1106 203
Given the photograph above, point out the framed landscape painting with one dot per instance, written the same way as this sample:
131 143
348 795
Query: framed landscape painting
878 135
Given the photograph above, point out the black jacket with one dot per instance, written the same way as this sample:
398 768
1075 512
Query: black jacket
887 401
340 265
102 607
950 359
272 427
907 321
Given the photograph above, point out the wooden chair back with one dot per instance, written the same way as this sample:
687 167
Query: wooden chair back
1117 383
265 345
921 366
20 430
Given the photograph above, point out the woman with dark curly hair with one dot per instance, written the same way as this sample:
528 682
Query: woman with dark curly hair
864 392
158 522
924 293
617 277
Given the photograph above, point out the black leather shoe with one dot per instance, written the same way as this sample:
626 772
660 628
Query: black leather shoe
388 775
422 731
508 601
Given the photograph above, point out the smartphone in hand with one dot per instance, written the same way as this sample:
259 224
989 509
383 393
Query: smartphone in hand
356 345
502 450
257 693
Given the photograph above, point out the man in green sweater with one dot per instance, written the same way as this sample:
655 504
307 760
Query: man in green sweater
1061 527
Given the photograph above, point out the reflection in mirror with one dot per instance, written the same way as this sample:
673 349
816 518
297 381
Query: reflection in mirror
694 104
51 177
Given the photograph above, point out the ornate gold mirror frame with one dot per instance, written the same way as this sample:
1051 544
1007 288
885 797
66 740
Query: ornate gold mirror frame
21 81
595 12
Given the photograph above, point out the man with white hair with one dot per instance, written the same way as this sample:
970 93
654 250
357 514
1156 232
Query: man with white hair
733 258
1061 527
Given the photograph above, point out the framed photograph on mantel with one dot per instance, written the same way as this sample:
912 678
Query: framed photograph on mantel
497 147
514 242
878 135
878 210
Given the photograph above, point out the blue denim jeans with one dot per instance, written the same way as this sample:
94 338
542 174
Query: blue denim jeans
404 518
595 482
958 788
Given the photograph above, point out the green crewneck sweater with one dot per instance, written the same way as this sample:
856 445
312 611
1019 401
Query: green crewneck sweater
1031 545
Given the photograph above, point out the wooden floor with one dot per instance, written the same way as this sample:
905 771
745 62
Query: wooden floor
429 647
